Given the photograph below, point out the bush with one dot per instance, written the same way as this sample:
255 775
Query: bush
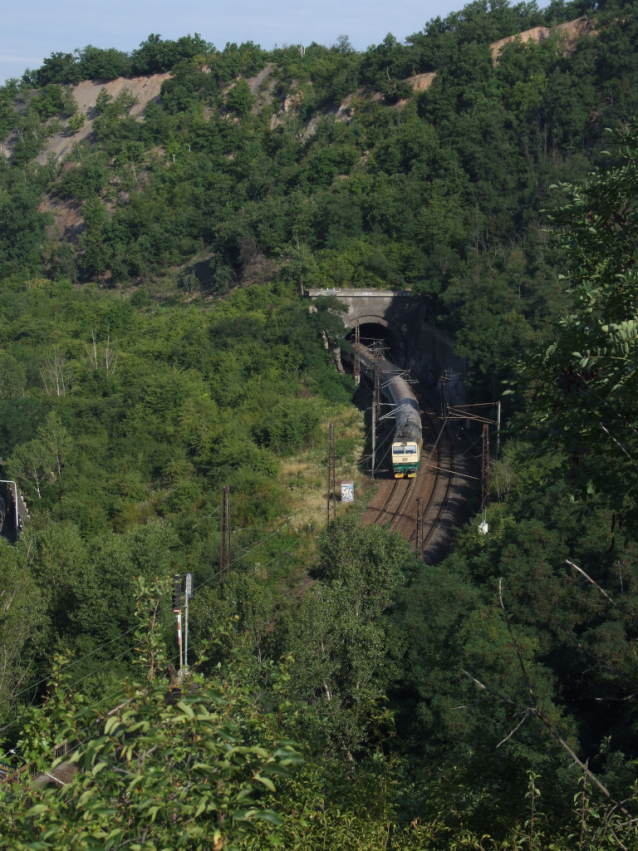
239 99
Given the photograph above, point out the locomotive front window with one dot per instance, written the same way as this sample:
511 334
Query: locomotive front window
404 450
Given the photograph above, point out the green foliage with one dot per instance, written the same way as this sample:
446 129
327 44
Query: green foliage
288 427
583 384
8 93
156 55
239 99
213 745
22 627
53 100
122 434
429 195
93 63
12 377
154 347
344 650
39 462
76 123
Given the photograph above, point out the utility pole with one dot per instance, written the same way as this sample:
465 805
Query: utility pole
485 467
498 428
224 556
332 476
357 357
374 436
378 352
419 526
188 593
376 405
177 608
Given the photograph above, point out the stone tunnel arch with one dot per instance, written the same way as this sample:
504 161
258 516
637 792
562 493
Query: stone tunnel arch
424 349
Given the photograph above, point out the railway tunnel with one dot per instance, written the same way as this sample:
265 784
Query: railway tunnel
375 332
424 510
400 320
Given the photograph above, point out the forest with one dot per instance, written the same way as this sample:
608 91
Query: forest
156 346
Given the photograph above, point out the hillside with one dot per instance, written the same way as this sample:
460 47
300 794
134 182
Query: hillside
261 86
161 215
395 168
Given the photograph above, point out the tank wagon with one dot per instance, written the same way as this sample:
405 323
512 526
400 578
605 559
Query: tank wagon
407 441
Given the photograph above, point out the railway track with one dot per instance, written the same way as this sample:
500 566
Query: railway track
439 478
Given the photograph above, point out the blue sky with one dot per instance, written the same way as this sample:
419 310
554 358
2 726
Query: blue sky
32 29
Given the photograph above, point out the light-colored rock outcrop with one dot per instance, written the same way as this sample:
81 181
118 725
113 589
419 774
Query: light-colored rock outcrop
143 89
422 82
571 32
146 89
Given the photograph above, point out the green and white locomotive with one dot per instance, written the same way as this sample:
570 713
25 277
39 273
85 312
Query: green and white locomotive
408 441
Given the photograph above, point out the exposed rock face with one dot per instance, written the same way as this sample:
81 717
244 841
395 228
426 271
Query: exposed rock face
68 222
144 89
422 82
262 85
571 31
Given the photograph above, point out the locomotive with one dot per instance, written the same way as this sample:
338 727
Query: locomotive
407 441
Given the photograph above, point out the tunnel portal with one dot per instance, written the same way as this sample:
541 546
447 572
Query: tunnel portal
398 318
374 332
393 316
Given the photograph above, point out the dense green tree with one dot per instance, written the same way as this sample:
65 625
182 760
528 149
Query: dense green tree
582 384
23 622
154 346
239 99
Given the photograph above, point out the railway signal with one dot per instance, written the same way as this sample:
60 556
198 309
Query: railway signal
188 593
177 608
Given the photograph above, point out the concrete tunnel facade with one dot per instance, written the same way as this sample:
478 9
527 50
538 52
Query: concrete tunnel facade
425 350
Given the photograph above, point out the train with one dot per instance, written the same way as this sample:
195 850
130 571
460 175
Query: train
407 442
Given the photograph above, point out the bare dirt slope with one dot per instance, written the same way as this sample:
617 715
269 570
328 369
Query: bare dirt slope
571 31
262 86
144 89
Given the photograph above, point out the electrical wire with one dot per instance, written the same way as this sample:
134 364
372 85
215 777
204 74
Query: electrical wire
435 444
239 558
129 631
76 661
174 658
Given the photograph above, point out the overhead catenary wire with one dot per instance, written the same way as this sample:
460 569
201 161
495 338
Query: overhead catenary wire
122 635
133 628
77 661
295 545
